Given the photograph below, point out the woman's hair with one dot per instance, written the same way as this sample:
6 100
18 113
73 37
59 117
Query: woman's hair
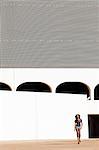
76 116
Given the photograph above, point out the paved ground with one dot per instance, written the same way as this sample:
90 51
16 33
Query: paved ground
50 145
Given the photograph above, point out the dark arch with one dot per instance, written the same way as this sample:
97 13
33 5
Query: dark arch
34 86
96 92
4 86
74 88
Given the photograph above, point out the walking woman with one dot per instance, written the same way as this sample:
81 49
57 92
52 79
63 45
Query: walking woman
78 126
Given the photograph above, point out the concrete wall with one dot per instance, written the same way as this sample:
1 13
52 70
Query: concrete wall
30 115
52 77
27 116
49 33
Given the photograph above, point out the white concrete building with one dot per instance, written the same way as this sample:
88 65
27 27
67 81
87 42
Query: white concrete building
40 104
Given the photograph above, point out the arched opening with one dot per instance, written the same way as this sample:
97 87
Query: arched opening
73 88
34 87
4 86
96 92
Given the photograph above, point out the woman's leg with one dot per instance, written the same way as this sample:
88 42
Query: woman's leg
78 135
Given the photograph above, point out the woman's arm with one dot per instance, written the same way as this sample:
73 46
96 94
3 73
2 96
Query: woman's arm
81 124
74 126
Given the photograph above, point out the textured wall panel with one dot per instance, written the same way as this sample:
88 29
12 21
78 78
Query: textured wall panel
43 33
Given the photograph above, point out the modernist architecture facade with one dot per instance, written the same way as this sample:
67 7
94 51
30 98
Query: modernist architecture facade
42 103
51 34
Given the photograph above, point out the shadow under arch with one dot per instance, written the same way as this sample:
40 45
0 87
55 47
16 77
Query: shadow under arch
34 87
4 86
74 88
96 92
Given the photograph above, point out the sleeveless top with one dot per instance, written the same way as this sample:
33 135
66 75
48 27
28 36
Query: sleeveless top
78 122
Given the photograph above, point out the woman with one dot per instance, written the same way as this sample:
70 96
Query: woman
78 126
